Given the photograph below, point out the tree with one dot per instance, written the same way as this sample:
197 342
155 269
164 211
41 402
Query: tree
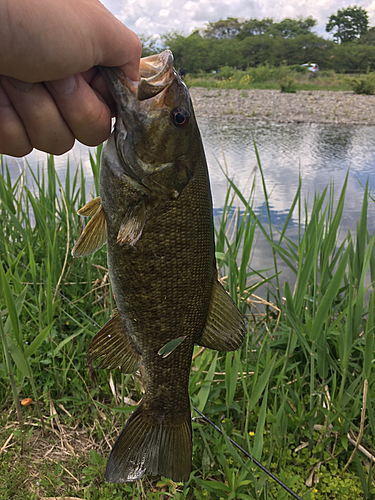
348 24
149 45
351 57
369 37
224 28
254 27
290 28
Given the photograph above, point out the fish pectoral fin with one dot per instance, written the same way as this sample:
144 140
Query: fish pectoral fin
225 326
90 208
147 446
114 347
168 348
94 236
132 226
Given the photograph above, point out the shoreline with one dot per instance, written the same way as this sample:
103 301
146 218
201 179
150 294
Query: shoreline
316 106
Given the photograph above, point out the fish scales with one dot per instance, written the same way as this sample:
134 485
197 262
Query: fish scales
168 277
155 212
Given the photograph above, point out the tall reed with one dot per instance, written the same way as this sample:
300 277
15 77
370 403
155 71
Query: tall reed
297 395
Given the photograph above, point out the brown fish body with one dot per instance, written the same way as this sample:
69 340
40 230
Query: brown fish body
163 283
155 205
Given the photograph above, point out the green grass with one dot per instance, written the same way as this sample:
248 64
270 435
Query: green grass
268 77
297 395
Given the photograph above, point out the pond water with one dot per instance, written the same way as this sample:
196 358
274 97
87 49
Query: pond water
320 154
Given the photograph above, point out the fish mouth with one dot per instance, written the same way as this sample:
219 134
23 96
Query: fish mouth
149 113
157 74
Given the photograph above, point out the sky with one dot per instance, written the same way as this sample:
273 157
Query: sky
153 17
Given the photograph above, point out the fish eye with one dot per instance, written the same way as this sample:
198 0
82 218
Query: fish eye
180 117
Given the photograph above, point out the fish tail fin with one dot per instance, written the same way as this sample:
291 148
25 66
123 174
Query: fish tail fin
146 446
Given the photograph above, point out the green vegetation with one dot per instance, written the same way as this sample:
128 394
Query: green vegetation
348 24
269 77
364 84
299 395
249 43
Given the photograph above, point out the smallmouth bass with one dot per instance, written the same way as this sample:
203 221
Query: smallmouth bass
155 213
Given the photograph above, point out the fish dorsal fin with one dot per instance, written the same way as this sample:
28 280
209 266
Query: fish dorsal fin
225 327
94 236
132 225
113 346
90 208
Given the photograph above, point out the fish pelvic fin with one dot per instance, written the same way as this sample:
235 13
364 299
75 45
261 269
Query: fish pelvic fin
132 226
225 326
114 347
146 446
90 208
94 236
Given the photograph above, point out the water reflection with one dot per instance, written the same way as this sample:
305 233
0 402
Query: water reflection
318 153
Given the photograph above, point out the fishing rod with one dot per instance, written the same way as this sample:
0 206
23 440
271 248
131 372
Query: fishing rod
202 415
261 466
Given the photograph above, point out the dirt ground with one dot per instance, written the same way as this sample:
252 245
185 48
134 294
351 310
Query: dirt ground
315 106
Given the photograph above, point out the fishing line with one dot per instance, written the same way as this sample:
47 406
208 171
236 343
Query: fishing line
275 478
264 469
61 295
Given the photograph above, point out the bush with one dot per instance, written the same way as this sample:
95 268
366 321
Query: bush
364 84
226 72
262 73
298 68
329 73
287 84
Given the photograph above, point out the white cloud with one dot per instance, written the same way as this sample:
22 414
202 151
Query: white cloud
149 17
191 5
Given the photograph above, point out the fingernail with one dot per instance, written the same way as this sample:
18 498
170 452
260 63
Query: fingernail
19 84
64 86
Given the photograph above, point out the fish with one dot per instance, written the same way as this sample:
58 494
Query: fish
155 214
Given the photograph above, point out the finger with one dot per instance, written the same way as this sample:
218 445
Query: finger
118 46
96 81
14 140
85 112
46 128
131 67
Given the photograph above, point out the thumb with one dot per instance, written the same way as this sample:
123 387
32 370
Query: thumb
116 45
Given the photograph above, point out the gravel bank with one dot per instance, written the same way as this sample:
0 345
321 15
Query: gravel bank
273 106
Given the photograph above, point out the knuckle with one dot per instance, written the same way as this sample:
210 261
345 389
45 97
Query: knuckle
94 126
14 141
56 140
57 148
17 150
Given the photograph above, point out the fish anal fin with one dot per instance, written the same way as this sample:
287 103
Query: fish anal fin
151 447
94 236
114 347
90 208
132 226
225 326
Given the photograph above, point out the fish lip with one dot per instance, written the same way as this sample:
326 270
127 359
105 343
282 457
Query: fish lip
157 74
155 68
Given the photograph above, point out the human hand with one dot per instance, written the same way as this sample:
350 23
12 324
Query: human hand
50 91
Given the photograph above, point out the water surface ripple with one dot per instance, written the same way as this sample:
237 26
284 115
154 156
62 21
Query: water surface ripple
318 153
